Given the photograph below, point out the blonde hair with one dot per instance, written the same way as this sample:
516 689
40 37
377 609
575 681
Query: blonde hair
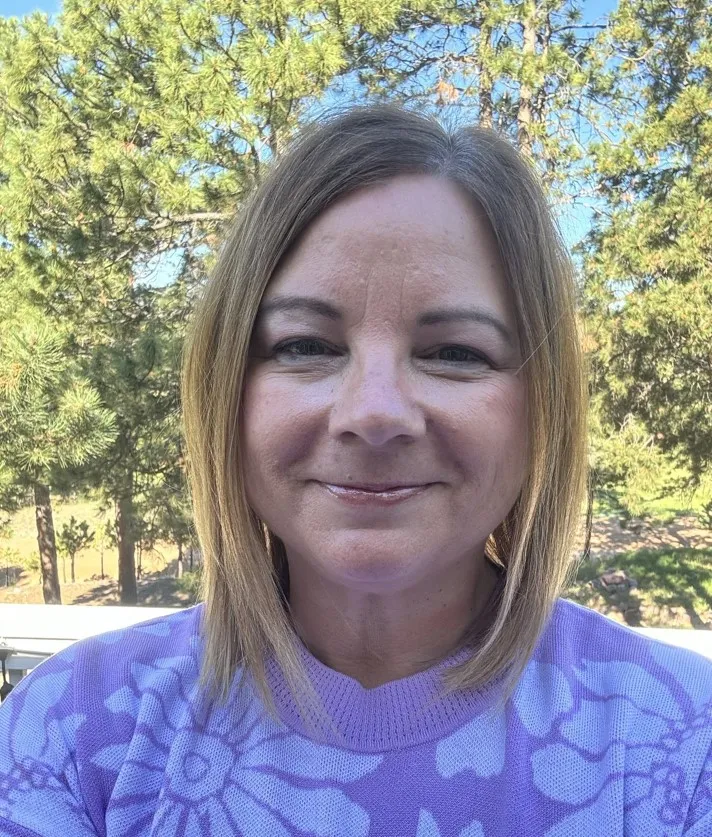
245 613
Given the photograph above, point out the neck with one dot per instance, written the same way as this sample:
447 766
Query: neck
379 637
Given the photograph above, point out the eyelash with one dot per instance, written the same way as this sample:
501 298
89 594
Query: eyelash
283 349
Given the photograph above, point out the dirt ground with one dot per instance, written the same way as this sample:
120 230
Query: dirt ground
608 538
159 588
648 576
159 591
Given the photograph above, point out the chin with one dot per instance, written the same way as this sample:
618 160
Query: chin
370 567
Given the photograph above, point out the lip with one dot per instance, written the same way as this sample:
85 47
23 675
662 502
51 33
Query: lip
366 496
377 486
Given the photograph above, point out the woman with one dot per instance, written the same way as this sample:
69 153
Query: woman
385 413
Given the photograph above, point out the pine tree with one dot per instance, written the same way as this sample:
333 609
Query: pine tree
132 131
649 258
528 69
51 419
74 537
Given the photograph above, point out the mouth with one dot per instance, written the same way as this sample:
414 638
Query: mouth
376 487
374 494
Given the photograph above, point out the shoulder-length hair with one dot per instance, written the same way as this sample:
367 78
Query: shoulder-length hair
245 617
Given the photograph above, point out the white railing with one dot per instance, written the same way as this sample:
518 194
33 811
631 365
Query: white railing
31 633
695 640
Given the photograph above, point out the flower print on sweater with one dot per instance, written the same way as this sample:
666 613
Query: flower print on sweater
428 827
626 736
36 769
222 776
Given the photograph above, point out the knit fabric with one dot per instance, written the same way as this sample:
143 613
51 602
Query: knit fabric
607 733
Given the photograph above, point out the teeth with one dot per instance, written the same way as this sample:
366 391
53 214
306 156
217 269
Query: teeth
377 490
352 489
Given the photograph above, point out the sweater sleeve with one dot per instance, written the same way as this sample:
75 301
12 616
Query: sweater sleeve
7 829
699 821
39 779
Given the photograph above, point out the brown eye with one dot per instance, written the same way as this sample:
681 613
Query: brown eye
304 347
459 355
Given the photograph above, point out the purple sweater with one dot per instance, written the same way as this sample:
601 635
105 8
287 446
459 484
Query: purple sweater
608 733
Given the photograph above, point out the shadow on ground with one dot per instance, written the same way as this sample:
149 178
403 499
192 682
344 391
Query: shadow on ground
610 537
159 591
650 587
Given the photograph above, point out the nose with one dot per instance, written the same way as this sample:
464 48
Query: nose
375 401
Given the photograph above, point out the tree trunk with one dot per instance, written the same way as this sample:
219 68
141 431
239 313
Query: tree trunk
71 559
524 113
485 100
179 573
127 563
47 545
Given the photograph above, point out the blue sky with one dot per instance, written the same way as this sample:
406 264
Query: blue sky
17 8
592 8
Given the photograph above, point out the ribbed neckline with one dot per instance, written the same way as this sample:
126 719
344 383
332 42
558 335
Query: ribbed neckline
401 713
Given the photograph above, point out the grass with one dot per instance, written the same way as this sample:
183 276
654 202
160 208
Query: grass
664 510
649 587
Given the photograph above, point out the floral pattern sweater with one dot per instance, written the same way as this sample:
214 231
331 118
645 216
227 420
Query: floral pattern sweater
607 733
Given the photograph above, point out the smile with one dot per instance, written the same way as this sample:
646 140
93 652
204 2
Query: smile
367 497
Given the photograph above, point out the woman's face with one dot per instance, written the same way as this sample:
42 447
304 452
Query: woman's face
385 355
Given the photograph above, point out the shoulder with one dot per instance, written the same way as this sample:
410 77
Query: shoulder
66 727
119 676
607 657
608 706
143 654
109 669
586 660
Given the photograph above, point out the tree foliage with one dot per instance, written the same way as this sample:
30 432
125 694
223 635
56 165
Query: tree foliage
74 537
130 132
649 259
51 420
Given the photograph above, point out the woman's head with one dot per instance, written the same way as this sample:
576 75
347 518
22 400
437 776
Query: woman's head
385 355
388 225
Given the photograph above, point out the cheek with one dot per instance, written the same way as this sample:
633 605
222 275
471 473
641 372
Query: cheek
257 428
510 417
499 435
276 428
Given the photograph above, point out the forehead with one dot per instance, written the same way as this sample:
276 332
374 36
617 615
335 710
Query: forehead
416 239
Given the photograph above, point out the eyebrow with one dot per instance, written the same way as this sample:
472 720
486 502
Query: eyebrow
435 317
